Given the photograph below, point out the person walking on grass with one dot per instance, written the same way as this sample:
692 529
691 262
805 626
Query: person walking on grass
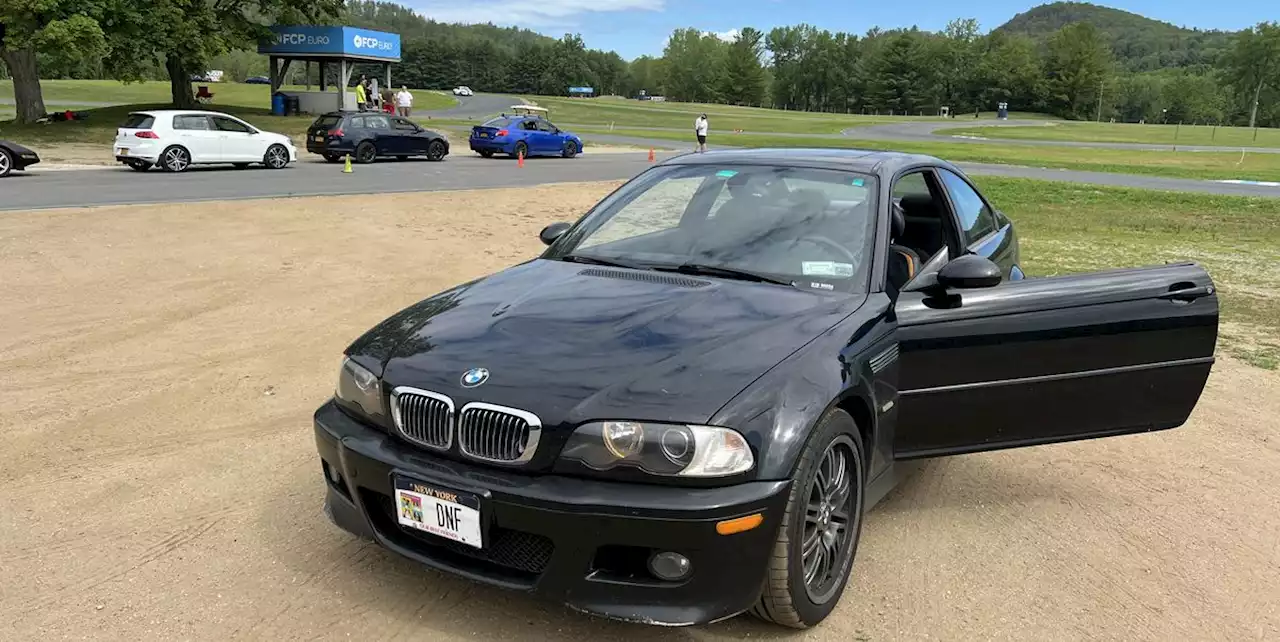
404 101
700 128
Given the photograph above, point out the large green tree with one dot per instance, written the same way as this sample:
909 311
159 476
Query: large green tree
1077 63
694 65
899 74
1252 64
57 28
744 73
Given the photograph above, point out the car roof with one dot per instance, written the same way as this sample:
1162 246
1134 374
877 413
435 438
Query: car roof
866 161
182 112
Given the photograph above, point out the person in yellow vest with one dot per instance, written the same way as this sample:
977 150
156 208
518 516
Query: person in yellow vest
362 99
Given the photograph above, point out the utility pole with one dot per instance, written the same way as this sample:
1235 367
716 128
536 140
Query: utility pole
1100 100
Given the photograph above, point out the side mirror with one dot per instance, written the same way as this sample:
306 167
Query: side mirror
550 233
969 271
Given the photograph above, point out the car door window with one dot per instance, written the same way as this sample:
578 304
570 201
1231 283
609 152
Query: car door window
191 123
975 217
356 122
403 125
377 122
222 123
529 125
544 126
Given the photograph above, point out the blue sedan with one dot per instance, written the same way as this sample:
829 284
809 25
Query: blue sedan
523 135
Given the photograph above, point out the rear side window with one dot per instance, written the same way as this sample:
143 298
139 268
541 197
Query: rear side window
327 122
191 122
139 121
376 122
230 125
500 123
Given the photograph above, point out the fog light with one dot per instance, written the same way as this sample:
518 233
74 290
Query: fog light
670 566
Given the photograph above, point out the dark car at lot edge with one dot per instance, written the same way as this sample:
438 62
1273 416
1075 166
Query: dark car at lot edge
368 136
15 158
681 410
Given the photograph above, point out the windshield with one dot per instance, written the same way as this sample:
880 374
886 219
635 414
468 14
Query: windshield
797 225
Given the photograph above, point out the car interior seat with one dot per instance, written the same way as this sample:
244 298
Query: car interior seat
904 262
923 228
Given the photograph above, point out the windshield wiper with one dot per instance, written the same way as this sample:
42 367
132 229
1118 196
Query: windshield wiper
723 272
595 260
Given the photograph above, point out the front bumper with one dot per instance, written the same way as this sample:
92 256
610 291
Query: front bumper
579 542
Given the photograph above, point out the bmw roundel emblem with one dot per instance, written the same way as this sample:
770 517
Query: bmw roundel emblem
474 377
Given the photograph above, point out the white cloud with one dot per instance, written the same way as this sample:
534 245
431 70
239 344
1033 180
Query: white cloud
540 13
726 36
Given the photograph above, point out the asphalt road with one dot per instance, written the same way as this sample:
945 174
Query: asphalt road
925 131
115 186
477 106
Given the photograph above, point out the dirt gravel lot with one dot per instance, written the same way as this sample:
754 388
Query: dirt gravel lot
159 366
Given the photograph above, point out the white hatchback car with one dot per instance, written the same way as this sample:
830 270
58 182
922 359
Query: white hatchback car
462 91
174 140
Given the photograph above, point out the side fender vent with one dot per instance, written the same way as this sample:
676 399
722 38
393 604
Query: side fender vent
646 277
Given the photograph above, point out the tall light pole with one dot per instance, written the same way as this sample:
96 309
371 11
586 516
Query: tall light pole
1100 99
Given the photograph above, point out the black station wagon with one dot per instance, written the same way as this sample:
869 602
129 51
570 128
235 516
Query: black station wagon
682 409
366 136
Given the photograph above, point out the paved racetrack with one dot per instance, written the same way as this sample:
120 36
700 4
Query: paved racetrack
46 188
926 131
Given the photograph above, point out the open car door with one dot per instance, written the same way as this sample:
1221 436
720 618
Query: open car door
1046 360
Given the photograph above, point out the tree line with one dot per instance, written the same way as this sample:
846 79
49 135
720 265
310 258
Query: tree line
1071 73
1074 71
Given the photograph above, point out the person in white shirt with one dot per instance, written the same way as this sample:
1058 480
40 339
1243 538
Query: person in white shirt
700 128
404 101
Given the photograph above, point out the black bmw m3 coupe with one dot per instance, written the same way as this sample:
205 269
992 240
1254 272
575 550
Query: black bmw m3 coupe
681 410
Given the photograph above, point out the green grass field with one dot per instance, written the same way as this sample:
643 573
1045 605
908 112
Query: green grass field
622 112
225 94
1130 133
1065 228
1199 165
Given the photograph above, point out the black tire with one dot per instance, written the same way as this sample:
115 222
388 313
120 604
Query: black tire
520 150
487 153
333 158
6 163
789 597
436 151
240 165
175 159
138 165
366 153
277 157
570 149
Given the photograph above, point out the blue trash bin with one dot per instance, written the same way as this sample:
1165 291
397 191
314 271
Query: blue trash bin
277 104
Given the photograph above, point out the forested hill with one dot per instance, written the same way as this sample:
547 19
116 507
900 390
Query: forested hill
1139 43
394 18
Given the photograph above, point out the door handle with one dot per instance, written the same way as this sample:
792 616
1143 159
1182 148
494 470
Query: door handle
1188 294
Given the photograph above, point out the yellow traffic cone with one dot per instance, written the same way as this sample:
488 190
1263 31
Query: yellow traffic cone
346 167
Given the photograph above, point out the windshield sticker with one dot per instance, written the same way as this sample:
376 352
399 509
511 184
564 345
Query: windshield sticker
826 268
858 182
821 286
726 173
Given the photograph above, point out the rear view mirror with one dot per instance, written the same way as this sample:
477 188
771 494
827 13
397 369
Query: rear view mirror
550 233
969 271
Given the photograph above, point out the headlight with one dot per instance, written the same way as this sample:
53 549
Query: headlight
660 449
360 388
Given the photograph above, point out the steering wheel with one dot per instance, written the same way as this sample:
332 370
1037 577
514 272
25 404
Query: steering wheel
830 244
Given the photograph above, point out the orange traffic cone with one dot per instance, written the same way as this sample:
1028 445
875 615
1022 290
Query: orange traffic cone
650 154
520 159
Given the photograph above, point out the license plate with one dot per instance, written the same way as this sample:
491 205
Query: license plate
318 139
484 135
439 511
123 152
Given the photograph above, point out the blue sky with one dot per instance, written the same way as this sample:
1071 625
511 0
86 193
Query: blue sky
637 27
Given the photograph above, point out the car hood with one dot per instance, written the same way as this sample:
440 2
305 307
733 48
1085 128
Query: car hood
16 148
572 342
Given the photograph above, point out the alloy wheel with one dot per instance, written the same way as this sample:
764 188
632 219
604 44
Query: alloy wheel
277 157
176 159
829 522
5 163
435 151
